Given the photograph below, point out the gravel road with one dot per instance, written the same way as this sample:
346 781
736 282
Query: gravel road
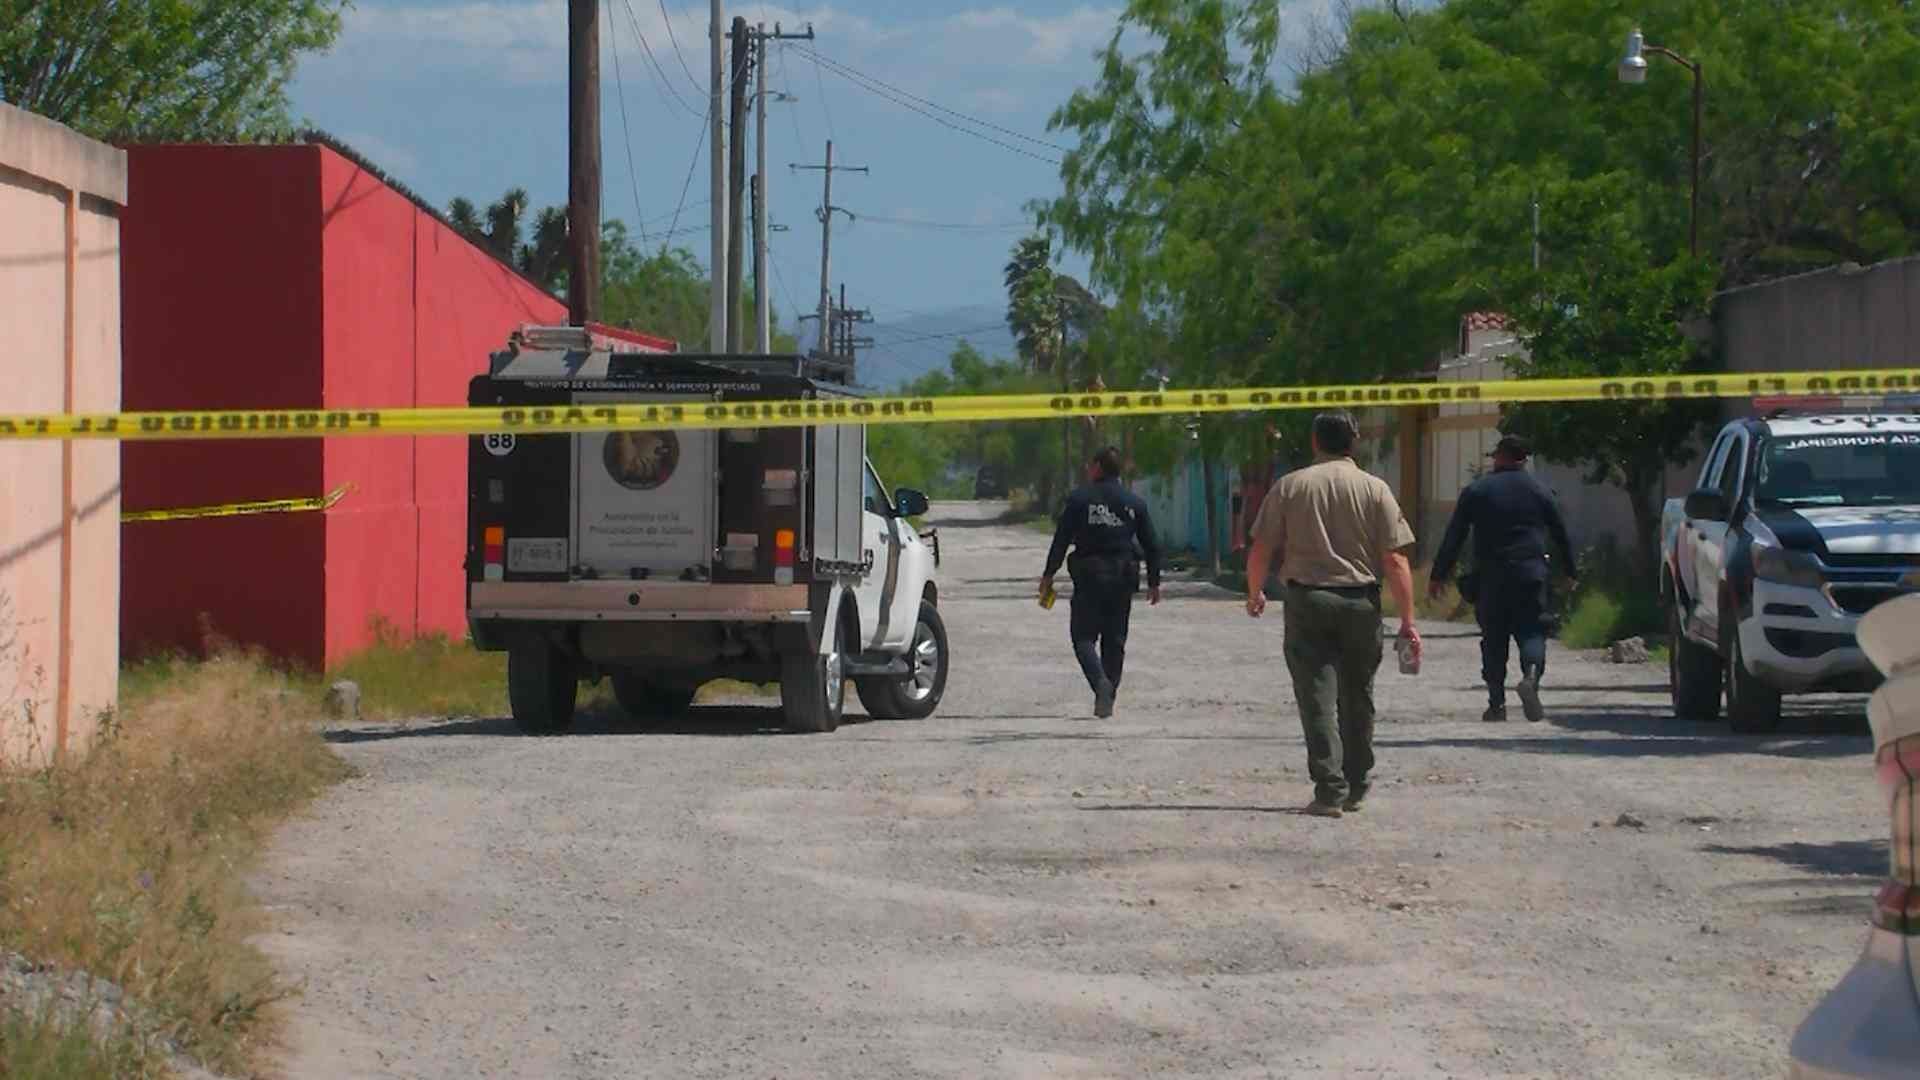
1012 889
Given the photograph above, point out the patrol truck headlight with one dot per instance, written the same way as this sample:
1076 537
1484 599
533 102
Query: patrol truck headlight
1785 567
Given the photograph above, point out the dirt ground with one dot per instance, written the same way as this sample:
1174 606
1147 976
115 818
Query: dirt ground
1012 889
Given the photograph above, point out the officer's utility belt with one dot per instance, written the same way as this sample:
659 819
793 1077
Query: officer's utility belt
1368 591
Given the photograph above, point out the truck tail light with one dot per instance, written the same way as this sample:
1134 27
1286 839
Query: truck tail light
783 557
495 553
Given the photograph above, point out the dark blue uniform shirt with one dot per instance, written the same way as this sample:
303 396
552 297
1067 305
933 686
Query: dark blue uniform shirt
1105 520
1512 515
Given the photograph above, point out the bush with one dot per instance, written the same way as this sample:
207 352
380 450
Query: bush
1611 602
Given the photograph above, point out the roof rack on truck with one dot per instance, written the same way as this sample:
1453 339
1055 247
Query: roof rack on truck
590 352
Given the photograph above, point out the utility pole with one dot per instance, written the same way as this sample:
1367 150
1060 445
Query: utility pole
848 318
826 245
736 178
762 300
717 162
583 161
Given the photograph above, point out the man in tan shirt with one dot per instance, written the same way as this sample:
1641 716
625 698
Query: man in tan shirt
1337 531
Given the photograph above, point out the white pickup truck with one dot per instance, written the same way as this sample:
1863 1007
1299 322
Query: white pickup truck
1799 525
667 559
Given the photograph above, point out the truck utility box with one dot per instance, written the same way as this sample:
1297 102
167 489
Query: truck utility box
668 557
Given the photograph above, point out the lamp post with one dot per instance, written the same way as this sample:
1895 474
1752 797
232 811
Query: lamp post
1633 72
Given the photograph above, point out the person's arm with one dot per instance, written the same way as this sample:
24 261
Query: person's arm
1259 562
1150 547
1400 584
1451 544
1269 538
1557 529
1069 523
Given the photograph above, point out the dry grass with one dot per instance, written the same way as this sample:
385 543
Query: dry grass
46 1046
427 676
127 862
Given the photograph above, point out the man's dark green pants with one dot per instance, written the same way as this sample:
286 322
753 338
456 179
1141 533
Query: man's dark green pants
1333 649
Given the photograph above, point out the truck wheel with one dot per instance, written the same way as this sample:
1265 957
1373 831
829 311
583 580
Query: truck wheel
1753 708
644 699
542 685
1693 674
813 688
917 694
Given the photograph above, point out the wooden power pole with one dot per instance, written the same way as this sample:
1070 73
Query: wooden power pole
826 246
583 161
736 176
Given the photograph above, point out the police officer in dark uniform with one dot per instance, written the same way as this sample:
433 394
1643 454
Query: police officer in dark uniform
1512 516
1109 530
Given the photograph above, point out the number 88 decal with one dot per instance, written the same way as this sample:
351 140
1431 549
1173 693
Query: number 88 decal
498 443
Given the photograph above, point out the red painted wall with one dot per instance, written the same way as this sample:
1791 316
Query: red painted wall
289 276
220 279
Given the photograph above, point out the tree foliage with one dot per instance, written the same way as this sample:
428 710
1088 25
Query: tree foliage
1330 216
160 69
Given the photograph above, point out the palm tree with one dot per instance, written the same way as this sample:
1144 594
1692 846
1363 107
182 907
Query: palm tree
1033 308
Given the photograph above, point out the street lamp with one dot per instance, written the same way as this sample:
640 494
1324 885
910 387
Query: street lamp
1633 72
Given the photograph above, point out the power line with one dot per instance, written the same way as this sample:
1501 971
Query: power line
910 101
946 123
936 337
962 226
668 19
688 182
822 84
633 17
626 134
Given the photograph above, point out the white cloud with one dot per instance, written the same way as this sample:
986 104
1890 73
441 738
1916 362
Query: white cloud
1042 39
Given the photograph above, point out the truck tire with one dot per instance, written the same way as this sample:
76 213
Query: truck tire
542 686
813 688
1693 674
644 699
915 695
1753 708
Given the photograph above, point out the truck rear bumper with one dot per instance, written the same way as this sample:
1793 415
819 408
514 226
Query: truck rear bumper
631 601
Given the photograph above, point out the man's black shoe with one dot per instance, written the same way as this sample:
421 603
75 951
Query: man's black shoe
1530 695
1103 701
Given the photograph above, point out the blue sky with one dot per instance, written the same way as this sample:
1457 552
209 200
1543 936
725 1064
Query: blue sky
469 98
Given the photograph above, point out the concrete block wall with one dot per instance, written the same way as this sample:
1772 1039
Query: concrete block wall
61 196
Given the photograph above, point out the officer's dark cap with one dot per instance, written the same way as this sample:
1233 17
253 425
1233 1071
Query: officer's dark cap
1512 446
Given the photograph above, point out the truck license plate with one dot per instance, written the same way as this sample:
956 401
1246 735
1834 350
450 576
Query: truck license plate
537 555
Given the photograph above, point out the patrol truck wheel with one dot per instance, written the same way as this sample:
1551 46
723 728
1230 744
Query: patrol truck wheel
644 699
1693 674
542 686
1753 708
915 695
813 688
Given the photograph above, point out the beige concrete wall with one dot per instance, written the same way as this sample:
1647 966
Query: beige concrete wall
60 196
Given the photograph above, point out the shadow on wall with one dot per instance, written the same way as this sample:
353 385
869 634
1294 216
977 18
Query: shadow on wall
34 543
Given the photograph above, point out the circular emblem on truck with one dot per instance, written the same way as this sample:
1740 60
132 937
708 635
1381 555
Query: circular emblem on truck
641 460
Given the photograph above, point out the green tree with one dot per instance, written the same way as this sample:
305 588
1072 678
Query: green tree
160 69
1336 227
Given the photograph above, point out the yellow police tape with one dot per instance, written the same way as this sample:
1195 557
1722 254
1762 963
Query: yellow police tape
598 416
265 506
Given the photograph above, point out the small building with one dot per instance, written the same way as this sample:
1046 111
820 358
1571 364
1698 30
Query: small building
295 276
61 200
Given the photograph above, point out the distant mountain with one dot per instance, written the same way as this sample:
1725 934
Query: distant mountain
909 347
